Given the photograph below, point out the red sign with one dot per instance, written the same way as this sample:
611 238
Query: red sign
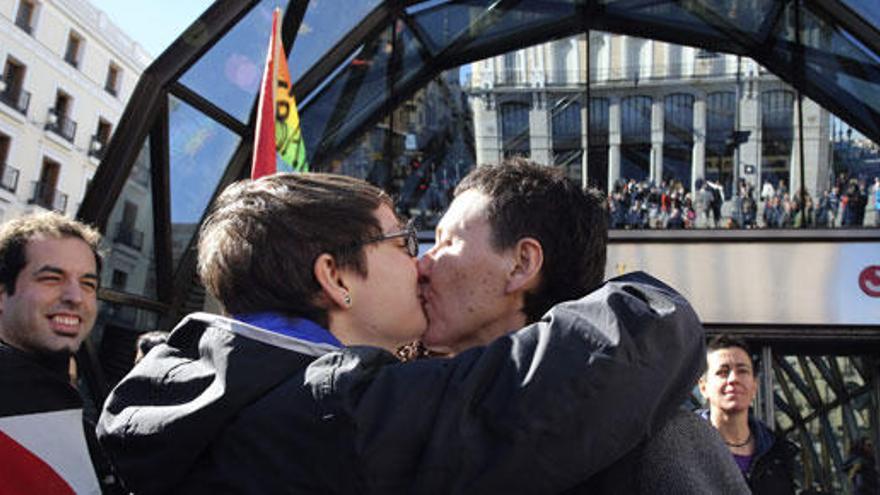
869 281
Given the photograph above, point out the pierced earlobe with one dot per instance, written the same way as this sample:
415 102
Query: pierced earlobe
347 298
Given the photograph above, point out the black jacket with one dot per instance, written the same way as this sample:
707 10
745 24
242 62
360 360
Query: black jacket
226 407
772 469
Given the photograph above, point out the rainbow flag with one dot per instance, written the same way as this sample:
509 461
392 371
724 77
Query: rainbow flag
277 106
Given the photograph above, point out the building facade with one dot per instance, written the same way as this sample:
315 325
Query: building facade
657 112
67 75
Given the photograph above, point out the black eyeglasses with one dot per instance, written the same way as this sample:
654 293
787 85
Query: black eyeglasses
409 233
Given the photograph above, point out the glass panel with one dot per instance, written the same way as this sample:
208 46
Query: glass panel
452 22
324 24
566 112
431 148
115 335
200 150
848 67
830 432
130 264
672 14
229 74
515 129
356 91
868 9
597 164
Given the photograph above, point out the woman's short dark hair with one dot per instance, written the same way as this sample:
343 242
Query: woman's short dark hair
726 341
531 200
258 245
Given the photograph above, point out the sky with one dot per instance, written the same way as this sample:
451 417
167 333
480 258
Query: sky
154 24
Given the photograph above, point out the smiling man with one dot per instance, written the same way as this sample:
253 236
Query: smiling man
49 274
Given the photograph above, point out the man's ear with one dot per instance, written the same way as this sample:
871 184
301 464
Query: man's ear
334 291
527 258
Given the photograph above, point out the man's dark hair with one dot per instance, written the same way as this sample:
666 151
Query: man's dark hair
726 341
258 246
531 200
18 232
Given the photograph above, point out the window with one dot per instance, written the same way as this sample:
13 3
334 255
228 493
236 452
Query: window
678 138
597 158
74 49
635 148
25 16
515 128
45 193
113 79
777 132
13 80
8 174
119 280
100 139
59 120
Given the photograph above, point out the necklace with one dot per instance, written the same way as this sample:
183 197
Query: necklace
748 439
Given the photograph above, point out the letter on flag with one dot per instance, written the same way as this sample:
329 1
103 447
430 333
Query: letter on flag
277 129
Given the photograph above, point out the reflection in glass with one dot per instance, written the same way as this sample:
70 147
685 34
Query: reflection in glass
129 265
515 127
824 405
635 148
229 74
419 153
357 89
324 25
565 115
678 138
777 132
720 125
200 148
115 334
597 168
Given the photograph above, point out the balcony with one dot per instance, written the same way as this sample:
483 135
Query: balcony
97 147
8 178
46 196
61 125
16 98
129 236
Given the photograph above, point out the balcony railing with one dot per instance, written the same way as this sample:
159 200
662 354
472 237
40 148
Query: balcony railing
18 99
129 236
48 197
96 147
8 177
62 125
705 68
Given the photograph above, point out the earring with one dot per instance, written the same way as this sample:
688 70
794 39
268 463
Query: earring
347 298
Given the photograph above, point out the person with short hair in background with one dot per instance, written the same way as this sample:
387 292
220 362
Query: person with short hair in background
766 460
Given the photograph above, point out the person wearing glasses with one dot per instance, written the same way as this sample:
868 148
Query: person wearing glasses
296 388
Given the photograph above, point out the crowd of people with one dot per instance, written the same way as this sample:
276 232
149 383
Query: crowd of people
849 202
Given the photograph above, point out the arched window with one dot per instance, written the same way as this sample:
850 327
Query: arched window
515 128
777 135
720 125
597 160
567 134
678 138
635 148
